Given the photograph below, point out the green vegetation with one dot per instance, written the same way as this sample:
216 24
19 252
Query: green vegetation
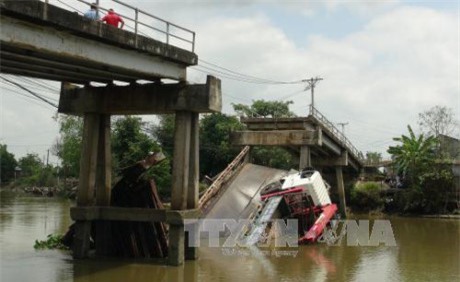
53 241
414 155
262 108
365 196
7 164
67 148
428 182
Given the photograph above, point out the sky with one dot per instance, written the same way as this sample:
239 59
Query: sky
382 63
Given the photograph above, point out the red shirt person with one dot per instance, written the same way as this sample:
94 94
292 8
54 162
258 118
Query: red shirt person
113 19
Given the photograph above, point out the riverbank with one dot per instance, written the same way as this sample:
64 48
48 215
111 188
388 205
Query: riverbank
446 216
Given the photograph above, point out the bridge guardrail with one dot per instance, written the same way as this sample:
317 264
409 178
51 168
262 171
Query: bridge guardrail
223 176
337 133
166 33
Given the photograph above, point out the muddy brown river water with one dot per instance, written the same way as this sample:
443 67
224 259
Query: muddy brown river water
426 250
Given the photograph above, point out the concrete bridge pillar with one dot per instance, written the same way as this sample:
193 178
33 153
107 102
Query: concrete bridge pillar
95 178
341 191
191 253
305 157
185 182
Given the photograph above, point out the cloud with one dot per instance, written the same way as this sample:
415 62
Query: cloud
398 64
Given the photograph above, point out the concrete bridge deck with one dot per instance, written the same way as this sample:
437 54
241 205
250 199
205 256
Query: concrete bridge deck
44 41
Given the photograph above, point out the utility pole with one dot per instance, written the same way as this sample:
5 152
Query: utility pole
47 157
311 85
97 9
343 126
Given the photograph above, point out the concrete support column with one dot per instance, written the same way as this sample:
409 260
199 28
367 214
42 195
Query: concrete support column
341 192
180 184
103 184
305 157
176 244
87 178
194 162
181 160
191 253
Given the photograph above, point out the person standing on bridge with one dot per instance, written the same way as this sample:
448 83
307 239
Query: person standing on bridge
113 19
92 13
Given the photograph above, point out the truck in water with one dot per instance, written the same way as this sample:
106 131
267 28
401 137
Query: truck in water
303 196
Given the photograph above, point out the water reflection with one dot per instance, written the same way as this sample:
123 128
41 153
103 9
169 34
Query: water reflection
427 249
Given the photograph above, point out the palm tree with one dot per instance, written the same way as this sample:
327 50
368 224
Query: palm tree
414 155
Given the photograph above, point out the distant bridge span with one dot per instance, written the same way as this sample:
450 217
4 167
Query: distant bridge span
317 141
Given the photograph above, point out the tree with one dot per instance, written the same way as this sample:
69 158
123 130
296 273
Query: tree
414 155
262 108
68 146
216 152
30 165
276 157
7 164
437 121
35 172
373 157
163 132
130 144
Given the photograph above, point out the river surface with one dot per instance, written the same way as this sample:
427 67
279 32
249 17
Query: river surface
426 250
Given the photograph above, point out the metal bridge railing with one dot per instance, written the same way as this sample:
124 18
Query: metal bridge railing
337 133
151 26
222 178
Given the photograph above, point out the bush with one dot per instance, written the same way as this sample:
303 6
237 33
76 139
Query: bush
366 196
437 188
409 200
431 195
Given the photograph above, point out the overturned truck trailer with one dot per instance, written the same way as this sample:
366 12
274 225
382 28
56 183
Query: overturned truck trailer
289 195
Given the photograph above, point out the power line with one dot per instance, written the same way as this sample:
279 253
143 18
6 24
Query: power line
208 70
29 91
41 84
30 99
245 76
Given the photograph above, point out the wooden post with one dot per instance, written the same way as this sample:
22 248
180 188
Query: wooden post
341 192
305 157
85 193
191 253
181 167
103 184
